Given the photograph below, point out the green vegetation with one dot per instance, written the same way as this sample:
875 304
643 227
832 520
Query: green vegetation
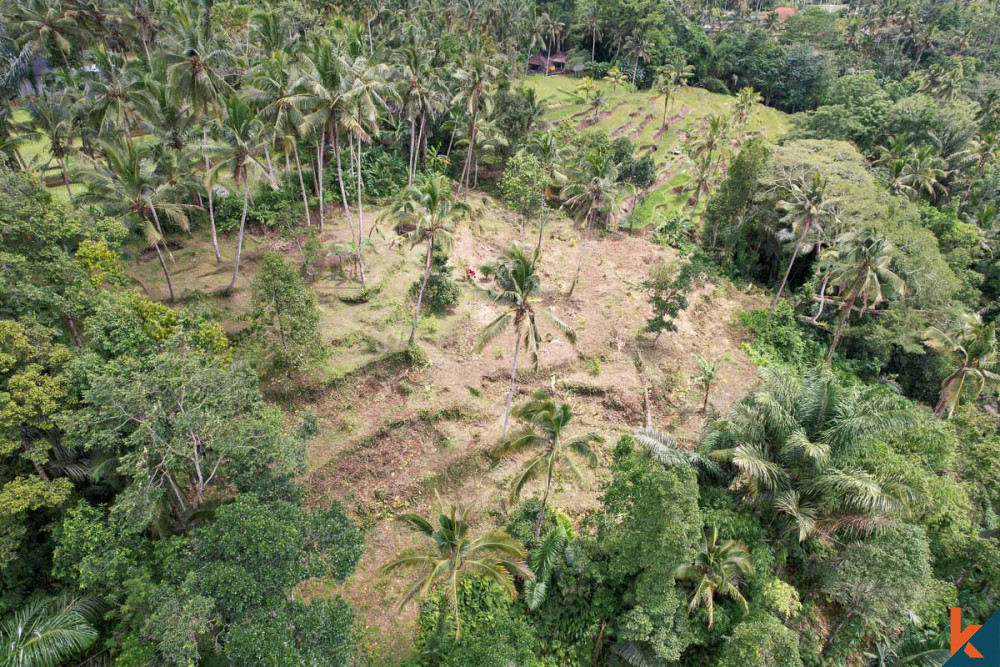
268 274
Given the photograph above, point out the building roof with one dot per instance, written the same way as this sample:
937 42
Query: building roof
785 13
540 60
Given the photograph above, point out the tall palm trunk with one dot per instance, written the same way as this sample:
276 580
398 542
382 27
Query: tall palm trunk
845 314
413 130
65 179
302 184
159 255
467 171
239 239
513 380
361 216
428 258
270 168
340 179
211 204
545 495
319 172
791 263
583 250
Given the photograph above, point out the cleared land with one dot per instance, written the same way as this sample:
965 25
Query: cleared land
391 435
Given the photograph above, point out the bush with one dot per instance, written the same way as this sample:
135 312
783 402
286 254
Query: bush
714 85
272 209
778 338
442 292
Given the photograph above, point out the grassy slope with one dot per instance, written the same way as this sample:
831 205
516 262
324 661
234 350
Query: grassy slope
639 116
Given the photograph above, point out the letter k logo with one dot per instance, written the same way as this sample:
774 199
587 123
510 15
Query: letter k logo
961 637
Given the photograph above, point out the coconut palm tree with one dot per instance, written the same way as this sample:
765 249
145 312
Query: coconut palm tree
706 151
861 269
47 632
195 76
746 100
127 185
475 96
162 115
592 193
971 347
708 371
274 82
785 444
419 97
553 154
669 80
111 92
597 101
807 210
545 422
517 286
368 94
237 150
637 46
453 553
590 19
53 119
322 98
925 173
430 207
717 571
40 23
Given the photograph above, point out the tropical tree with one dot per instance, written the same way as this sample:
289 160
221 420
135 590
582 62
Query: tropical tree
596 102
419 97
669 80
454 553
637 46
789 450
717 570
53 119
708 371
706 152
615 77
127 185
195 75
590 19
47 632
592 193
321 93
860 264
971 347
41 23
807 210
475 96
517 286
428 206
925 173
237 150
746 100
553 153
545 421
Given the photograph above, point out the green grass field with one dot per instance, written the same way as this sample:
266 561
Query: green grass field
639 116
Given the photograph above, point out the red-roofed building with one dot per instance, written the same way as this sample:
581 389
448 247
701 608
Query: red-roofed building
785 13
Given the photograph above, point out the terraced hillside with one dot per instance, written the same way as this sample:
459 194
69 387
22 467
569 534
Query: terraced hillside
639 116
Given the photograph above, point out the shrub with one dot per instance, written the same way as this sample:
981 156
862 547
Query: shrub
442 291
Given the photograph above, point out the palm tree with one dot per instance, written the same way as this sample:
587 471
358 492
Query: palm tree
708 371
746 100
590 19
47 632
238 151
418 96
545 422
704 150
971 347
596 102
368 94
323 86
162 115
518 284
592 193
453 553
553 153
925 172
807 210
637 46
615 77
861 264
475 96
430 207
111 93
789 447
716 571
39 23
274 82
194 74
671 78
128 186
53 120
